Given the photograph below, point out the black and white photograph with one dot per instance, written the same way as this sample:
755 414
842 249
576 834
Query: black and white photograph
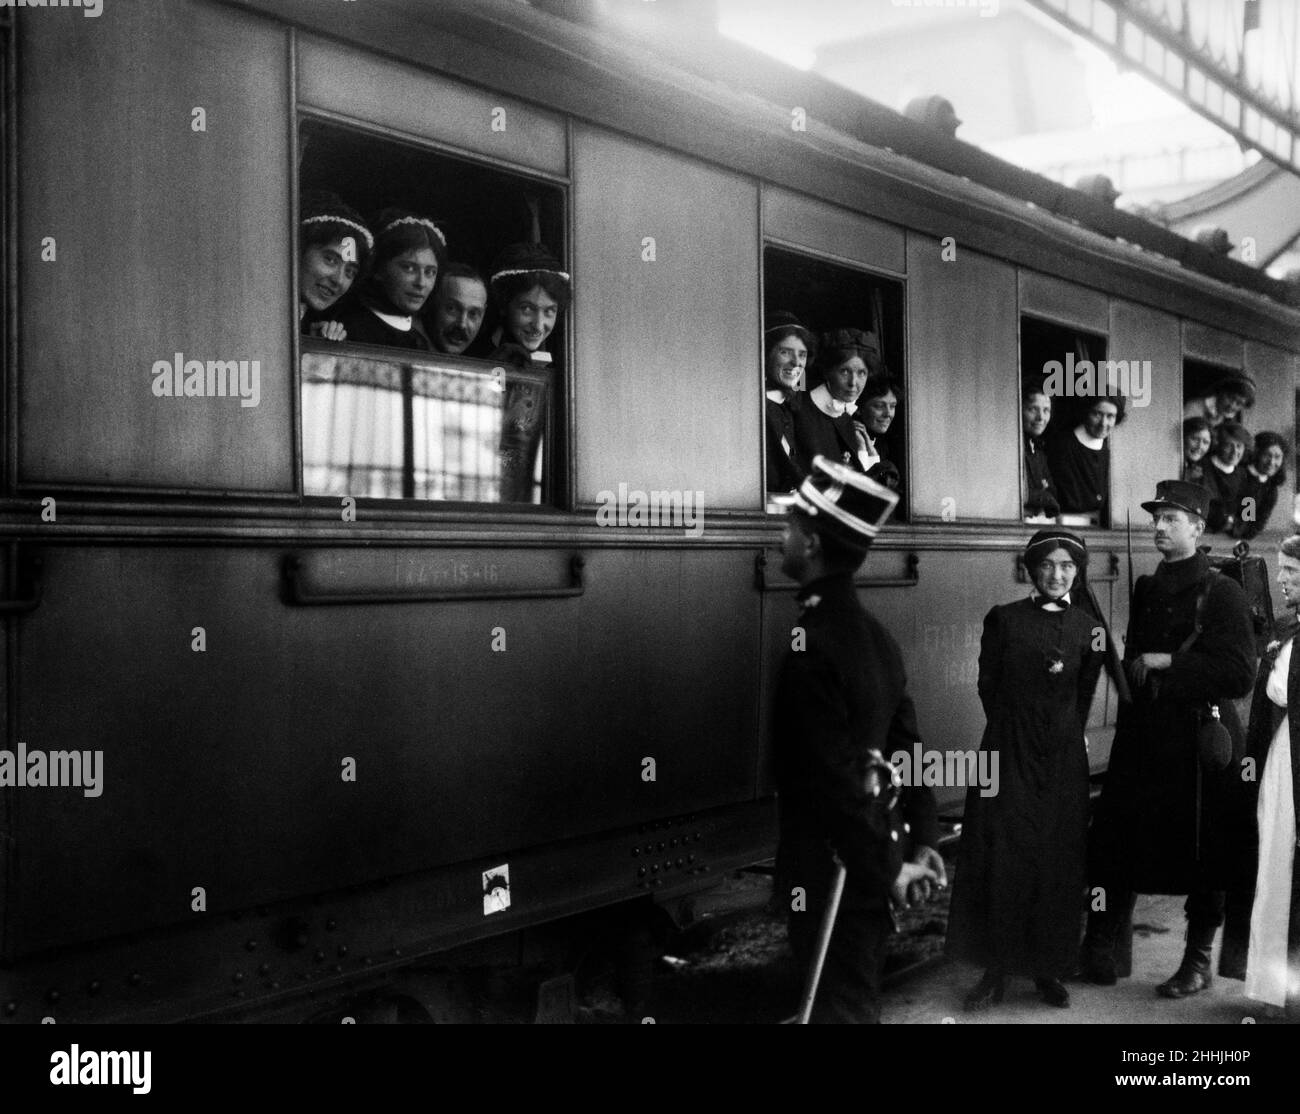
649 512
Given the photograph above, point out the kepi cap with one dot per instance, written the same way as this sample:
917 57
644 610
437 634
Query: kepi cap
1182 496
845 502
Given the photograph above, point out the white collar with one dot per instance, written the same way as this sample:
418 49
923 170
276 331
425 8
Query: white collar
401 324
1222 467
828 404
1081 435
1251 469
777 395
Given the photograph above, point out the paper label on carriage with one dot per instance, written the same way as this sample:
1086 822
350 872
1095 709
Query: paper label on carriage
496 889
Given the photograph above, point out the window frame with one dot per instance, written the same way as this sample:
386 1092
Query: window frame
770 242
558 477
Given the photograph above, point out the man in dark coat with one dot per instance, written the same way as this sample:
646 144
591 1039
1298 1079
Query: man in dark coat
1165 823
841 707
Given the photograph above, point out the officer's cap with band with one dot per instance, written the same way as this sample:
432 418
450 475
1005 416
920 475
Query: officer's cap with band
843 501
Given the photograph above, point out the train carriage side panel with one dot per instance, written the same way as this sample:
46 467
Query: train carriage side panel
171 241
964 405
1204 342
337 79
1054 299
794 220
1148 446
229 768
668 392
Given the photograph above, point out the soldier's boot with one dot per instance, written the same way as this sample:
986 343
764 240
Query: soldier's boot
1193 974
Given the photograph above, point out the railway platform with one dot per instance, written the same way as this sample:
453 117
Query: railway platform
936 993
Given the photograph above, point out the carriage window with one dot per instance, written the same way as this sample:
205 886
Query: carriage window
1071 400
432 300
833 356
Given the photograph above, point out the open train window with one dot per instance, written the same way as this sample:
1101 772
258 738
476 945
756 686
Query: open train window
1220 452
1071 400
833 353
432 307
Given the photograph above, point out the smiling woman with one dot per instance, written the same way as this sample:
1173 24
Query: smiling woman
335 245
409 249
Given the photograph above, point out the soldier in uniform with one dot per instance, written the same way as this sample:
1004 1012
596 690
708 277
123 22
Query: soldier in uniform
1167 821
841 708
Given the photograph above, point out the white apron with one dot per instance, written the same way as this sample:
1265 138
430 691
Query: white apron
1266 970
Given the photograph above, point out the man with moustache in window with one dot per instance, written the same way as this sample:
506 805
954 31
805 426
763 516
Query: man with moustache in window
456 312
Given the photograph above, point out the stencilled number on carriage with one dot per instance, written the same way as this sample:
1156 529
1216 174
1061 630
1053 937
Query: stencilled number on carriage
960 674
948 250
798 119
945 638
498 119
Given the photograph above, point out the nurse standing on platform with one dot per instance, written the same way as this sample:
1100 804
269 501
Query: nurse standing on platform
1021 874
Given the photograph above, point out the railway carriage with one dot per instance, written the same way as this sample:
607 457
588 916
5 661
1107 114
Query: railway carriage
364 689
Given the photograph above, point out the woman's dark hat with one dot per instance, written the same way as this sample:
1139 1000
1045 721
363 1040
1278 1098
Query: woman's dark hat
843 501
1181 496
1237 432
526 259
1042 543
1239 382
784 322
865 343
